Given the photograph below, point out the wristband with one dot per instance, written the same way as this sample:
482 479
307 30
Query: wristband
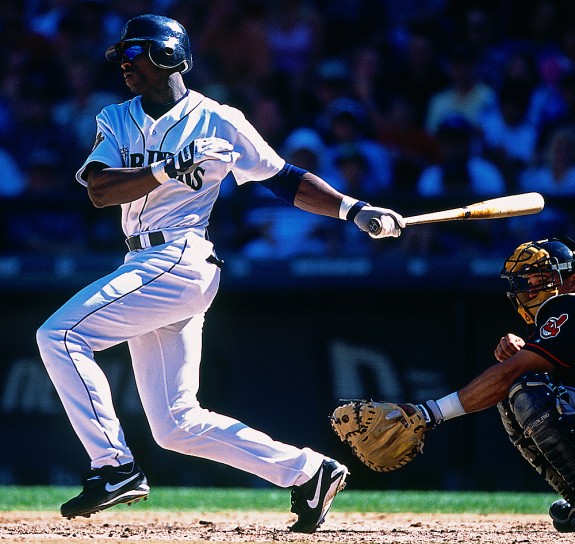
346 204
355 209
350 207
159 171
451 406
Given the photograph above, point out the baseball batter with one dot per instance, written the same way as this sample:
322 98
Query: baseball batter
162 157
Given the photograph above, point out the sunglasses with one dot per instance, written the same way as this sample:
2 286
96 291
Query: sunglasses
131 52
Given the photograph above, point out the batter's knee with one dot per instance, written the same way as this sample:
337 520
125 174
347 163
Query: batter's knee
50 338
179 433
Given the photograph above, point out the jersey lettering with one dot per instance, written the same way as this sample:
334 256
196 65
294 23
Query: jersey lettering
136 160
155 156
194 180
552 326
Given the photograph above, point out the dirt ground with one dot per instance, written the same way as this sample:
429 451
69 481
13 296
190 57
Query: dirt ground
121 525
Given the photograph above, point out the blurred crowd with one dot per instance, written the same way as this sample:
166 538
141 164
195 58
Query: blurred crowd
415 105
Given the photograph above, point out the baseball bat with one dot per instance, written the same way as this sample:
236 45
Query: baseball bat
494 208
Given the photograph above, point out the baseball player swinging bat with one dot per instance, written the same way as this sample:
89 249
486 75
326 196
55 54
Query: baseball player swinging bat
495 208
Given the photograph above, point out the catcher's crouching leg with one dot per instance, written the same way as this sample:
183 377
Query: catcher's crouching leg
542 435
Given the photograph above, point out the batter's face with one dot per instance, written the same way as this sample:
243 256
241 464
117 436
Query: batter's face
142 76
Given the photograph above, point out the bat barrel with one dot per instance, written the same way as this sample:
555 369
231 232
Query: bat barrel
495 208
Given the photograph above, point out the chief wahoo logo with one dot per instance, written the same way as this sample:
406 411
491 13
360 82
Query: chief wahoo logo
552 326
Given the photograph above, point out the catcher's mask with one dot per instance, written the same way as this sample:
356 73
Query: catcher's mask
165 40
535 272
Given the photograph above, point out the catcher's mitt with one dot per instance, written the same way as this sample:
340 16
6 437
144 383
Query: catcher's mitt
383 435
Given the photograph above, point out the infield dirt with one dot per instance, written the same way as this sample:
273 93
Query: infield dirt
121 525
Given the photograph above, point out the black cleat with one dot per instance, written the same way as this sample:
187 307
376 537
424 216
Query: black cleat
563 516
312 500
106 487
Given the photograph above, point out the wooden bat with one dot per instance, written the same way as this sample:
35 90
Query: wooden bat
495 208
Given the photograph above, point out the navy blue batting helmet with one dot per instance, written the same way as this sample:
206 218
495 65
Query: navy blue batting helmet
166 40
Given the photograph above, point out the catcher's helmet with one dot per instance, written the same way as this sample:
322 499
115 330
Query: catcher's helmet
535 272
167 41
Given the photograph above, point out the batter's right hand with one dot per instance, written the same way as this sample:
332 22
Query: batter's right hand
200 150
508 346
389 223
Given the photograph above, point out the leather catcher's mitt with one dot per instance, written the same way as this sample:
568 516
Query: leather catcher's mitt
383 435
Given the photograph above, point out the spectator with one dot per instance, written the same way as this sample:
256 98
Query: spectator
510 139
273 228
233 41
36 132
417 74
547 103
75 114
346 122
295 37
566 119
461 173
556 177
305 148
13 181
555 180
480 33
466 96
47 219
331 81
411 147
461 176
282 233
269 117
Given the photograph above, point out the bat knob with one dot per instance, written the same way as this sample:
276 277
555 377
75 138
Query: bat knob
374 226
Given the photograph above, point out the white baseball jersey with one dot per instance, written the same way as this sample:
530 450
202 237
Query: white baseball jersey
156 300
127 137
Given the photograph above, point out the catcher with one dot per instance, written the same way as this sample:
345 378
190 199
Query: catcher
533 384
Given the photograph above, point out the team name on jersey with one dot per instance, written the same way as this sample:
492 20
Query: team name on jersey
194 180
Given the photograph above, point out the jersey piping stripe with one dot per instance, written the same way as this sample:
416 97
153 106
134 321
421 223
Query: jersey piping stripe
96 310
544 353
179 121
142 211
143 150
173 127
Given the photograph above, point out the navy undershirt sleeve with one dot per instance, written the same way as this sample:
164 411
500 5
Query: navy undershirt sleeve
285 183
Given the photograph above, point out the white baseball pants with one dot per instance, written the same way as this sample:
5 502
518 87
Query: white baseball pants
156 301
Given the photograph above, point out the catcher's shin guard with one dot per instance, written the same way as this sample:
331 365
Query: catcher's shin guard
533 403
530 451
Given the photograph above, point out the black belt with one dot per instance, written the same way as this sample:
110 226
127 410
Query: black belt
157 239
135 242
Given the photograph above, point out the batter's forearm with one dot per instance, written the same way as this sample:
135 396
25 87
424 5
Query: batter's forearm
317 196
113 186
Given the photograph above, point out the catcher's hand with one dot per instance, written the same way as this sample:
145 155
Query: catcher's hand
383 435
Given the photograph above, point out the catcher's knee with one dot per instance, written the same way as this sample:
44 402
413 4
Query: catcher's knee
531 398
544 412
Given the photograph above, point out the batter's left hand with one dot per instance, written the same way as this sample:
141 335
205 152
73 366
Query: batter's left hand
390 222
200 150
